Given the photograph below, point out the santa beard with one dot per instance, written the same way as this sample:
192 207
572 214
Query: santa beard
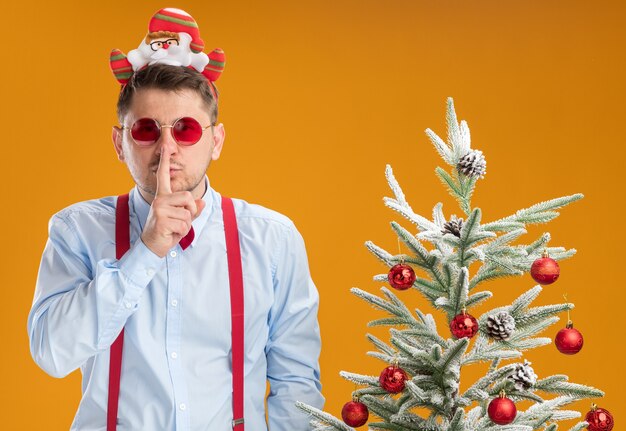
174 55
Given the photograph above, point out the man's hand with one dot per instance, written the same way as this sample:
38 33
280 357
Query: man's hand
170 214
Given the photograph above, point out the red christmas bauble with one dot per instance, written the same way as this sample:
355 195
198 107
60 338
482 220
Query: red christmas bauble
354 413
545 270
392 379
464 325
401 276
599 419
569 340
502 410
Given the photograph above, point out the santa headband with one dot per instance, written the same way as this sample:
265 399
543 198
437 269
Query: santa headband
173 38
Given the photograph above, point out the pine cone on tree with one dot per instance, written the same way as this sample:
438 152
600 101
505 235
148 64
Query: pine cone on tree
524 376
500 326
473 164
453 226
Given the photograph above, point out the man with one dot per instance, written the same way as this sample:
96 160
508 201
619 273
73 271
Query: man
169 293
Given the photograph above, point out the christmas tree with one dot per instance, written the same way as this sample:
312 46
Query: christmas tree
423 367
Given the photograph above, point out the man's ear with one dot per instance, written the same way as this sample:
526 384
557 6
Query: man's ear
116 136
219 134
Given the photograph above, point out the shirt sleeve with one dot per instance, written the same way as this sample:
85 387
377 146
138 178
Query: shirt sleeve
294 342
79 311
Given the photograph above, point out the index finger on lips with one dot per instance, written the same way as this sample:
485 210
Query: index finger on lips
163 185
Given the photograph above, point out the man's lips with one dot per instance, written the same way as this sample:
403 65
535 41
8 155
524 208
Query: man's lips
155 169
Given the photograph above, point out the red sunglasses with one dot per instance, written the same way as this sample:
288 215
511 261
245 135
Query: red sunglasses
146 131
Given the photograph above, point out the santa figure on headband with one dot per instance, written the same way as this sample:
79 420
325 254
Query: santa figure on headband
173 38
169 41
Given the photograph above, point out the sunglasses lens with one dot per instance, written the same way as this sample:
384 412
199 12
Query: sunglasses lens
187 131
145 131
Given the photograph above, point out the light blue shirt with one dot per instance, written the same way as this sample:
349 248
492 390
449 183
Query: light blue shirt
176 369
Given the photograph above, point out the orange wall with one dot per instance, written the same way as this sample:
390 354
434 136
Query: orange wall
316 98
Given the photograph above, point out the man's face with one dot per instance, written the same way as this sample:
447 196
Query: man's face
188 164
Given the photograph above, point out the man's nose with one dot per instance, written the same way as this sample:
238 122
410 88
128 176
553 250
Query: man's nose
167 141
165 45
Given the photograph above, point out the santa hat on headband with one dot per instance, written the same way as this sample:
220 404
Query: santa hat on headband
173 38
177 21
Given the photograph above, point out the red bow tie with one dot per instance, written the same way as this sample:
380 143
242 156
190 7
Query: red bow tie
187 239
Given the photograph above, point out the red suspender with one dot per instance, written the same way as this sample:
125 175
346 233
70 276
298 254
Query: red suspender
235 277
122 244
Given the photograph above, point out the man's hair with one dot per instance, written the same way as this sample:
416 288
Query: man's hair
167 77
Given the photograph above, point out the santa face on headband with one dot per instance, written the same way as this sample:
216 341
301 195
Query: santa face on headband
167 47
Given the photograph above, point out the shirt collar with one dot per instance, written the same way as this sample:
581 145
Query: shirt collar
140 209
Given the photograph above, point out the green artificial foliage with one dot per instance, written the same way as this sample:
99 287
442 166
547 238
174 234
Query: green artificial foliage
434 361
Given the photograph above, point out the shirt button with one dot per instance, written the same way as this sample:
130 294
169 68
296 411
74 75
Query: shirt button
128 304
174 303
173 253
174 355
150 272
183 406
